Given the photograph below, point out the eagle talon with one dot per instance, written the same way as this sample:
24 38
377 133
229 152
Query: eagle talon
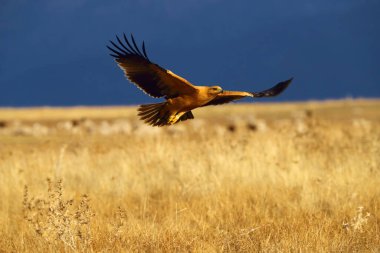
174 118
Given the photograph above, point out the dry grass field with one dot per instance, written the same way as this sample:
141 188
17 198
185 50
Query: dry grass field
290 177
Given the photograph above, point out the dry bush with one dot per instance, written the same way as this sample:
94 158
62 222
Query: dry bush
293 178
56 220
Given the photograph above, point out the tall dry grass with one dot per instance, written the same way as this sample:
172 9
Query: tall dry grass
293 177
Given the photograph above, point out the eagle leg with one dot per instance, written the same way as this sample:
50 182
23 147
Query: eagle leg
174 118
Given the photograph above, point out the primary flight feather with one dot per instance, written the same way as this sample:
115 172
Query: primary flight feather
180 95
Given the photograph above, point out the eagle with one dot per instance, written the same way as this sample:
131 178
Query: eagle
181 96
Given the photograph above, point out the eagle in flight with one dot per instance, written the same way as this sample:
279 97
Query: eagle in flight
181 96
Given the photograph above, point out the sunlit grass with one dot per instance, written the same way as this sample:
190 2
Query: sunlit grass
293 177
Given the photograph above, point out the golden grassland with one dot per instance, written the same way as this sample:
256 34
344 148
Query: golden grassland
288 177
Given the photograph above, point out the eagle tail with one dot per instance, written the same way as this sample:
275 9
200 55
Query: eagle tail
159 114
154 114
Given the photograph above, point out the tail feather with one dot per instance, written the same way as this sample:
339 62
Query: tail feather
152 113
147 114
159 114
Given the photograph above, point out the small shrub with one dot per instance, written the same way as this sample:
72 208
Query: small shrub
58 220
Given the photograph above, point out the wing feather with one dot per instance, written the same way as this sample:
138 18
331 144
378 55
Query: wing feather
274 91
148 76
229 96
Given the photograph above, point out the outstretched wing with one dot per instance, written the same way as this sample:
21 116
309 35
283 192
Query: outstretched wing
148 76
228 96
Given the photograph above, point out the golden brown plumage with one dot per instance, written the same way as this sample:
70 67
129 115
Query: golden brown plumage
181 96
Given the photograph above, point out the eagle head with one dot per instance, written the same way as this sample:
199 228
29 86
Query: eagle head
215 90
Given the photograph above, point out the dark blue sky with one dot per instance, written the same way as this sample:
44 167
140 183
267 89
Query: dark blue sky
52 52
